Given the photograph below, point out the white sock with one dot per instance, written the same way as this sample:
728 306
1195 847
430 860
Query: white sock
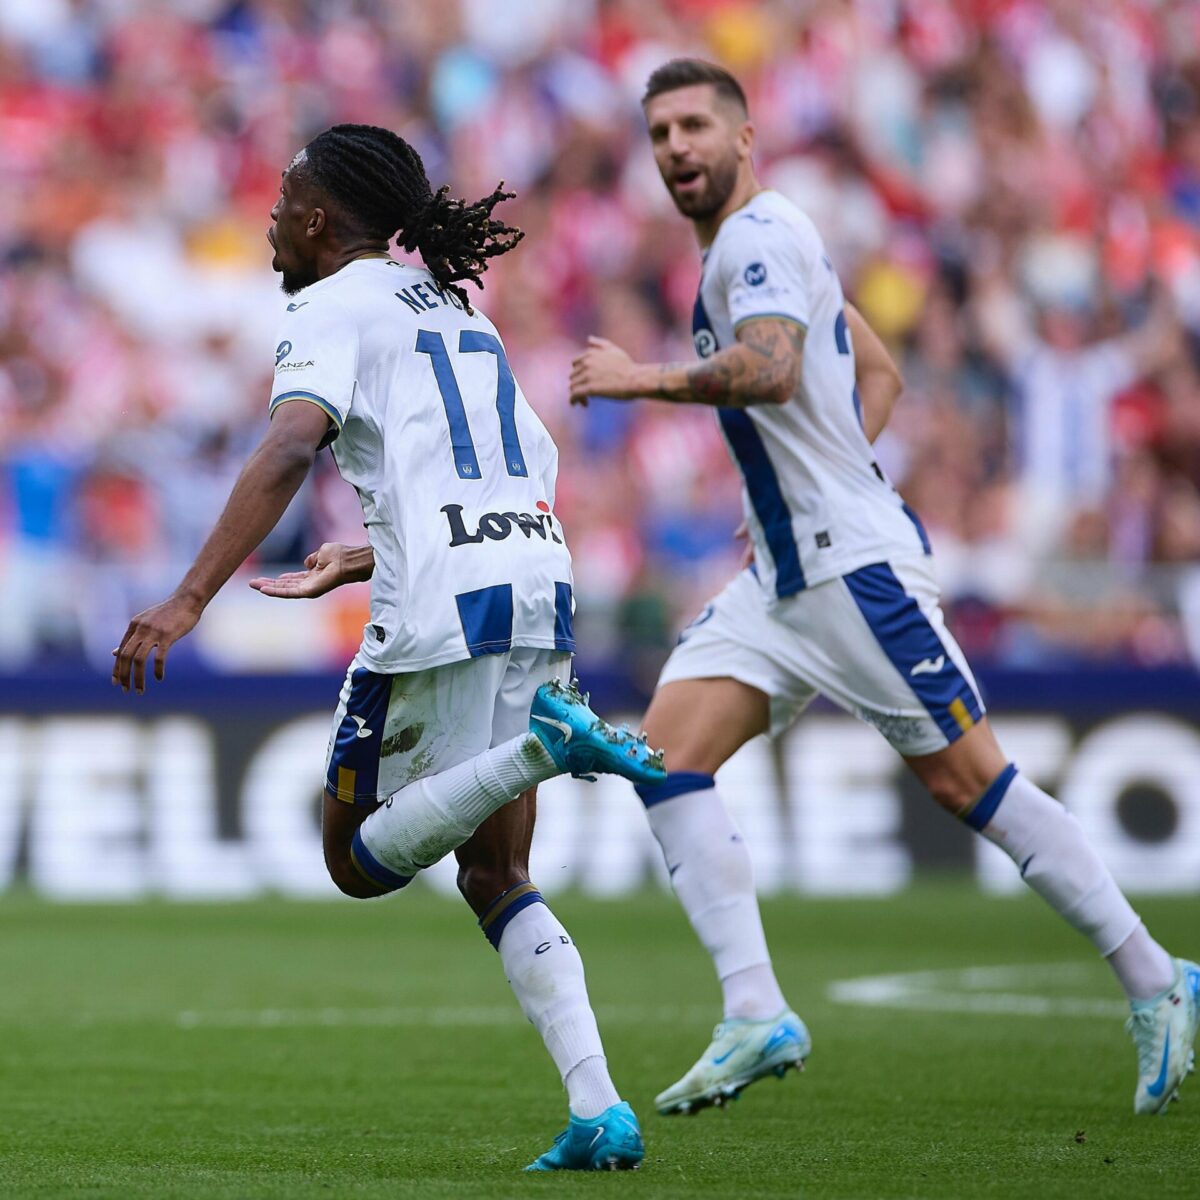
1058 862
545 971
713 877
751 992
421 823
1144 968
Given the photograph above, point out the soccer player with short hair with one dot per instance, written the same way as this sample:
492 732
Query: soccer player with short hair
458 702
840 599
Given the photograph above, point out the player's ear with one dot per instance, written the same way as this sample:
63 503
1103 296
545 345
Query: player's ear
745 139
317 221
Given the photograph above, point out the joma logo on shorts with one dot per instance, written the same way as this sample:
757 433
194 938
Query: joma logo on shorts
496 526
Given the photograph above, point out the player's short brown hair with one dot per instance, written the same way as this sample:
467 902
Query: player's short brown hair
687 72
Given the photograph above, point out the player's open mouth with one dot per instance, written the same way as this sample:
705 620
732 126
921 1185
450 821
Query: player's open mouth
686 178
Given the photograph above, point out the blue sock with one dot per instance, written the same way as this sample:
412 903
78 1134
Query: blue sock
677 783
372 870
513 900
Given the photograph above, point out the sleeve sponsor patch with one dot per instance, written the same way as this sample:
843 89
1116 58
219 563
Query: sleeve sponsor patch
767 274
755 274
316 357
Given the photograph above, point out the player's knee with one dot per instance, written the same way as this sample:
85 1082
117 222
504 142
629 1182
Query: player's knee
949 788
347 878
688 759
959 775
348 881
481 883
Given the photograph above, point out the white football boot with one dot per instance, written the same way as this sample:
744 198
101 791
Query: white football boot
1164 1030
741 1052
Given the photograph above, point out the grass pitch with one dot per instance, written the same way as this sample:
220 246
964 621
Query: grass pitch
277 1049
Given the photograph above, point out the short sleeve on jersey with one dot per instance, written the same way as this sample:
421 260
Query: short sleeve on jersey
316 358
764 270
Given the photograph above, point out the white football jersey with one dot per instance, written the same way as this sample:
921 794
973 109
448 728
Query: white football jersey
817 504
454 470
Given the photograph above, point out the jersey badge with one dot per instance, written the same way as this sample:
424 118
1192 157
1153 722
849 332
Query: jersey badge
755 274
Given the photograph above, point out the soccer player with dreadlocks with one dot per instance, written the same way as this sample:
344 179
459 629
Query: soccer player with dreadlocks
458 703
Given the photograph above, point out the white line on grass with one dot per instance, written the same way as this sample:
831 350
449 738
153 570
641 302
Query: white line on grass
395 1016
291 1018
982 990
422 1018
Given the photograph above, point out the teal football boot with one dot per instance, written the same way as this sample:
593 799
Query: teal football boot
584 745
610 1142
741 1052
1164 1030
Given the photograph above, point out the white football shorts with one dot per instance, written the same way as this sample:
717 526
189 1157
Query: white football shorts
873 641
390 730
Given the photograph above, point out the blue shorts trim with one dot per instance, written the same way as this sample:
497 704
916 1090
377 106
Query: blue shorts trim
984 809
914 648
353 774
677 783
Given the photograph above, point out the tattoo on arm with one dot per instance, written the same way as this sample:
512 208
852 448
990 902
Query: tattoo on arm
764 367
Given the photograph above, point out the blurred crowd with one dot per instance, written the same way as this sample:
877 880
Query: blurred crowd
1009 189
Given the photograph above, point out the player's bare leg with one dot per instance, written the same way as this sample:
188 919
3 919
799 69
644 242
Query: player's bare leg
545 972
419 830
701 723
541 964
423 821
974 781
496 857
958 775
339 823
540 960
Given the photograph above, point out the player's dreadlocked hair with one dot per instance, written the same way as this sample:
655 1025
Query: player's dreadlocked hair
380 182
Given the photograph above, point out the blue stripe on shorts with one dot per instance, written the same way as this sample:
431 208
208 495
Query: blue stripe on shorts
353 774
914 648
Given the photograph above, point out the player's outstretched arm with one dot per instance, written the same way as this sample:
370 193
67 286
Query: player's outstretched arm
324 569
879 380
763 368
263 490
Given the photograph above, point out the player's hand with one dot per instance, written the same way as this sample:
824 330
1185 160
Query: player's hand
603 369
325 569
742 533
161 626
